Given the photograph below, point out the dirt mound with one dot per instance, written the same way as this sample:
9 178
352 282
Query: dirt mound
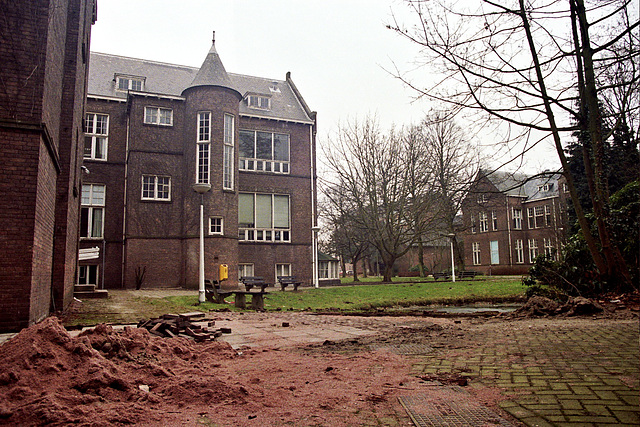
48 377
541 306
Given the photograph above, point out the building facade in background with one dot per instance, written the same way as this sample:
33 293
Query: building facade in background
152 131
44 54
509 219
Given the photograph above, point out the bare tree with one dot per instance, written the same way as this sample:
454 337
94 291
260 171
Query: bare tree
372 171
543 69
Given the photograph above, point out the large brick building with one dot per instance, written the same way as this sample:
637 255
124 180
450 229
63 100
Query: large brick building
44 53
509 219
152 131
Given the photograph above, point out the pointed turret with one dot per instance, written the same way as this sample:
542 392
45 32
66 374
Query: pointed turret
212 72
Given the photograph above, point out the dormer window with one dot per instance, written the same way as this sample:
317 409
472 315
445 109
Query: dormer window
129 83
545 187
259 102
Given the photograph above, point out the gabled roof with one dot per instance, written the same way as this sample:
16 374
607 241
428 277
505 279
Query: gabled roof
530 187
171 80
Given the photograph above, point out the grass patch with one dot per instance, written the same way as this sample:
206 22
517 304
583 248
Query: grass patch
124 306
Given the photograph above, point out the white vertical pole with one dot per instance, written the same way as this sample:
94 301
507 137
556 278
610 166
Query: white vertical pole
201 298
453 263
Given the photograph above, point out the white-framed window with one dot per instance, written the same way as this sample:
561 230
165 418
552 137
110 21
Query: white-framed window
203 148
531 219
482 198
327 270
88 274
494 221
283 270
96 135
228 144
216 225
264 151
547 216
129 83
245 270
155 187
483 220
519 251
517 218
539 216
549 249
92 211
475 250
533 250
473 224
494 252
264 217
259 102
545 187
158 116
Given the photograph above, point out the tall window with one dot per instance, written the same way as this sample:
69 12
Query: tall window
517 219
158 116
92 211
549 250
533 250
531 219
484 222
519 251
494 221
203 147
96 130
473 224
245 270
215 225
264 151
539 215
475 249
228 143
156 187
263 217
547 216
283 270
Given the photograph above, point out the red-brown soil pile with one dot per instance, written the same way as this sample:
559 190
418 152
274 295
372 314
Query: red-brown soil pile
105 377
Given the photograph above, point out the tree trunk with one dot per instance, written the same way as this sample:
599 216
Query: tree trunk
421 258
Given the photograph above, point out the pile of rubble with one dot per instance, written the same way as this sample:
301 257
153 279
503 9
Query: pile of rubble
183 325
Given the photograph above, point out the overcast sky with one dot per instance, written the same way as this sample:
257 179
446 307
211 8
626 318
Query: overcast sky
339 52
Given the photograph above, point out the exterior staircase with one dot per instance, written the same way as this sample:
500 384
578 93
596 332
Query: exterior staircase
89 291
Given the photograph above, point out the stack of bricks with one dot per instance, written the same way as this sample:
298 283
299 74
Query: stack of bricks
182 325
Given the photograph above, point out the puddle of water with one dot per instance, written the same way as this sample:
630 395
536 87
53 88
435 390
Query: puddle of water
477 309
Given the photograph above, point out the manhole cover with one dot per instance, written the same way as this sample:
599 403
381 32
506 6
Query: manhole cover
403 349
449 406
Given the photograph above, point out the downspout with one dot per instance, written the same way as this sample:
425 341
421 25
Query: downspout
314 223
124 209
506 198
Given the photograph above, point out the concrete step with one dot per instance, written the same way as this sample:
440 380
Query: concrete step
99 293
84 288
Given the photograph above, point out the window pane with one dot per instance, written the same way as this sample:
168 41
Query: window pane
84 222
123 84
281 211
150 115
88 123
147 187
263 210
245 210
97 195
164 187
88 142
166 116
263 145
246 144
101 148
96 225
281 147
227 173
228 129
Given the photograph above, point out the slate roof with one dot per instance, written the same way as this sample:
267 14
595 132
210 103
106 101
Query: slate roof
526 186
171 80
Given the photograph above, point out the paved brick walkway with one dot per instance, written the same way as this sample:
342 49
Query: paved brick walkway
560 372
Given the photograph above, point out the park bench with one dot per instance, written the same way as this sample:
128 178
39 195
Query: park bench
251 281
443 275
285 281
468 274
213 293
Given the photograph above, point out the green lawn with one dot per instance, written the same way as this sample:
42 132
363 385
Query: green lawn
363 297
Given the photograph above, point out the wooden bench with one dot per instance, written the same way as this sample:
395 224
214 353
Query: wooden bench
468 274
251 281
285 281
444 276
214 294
